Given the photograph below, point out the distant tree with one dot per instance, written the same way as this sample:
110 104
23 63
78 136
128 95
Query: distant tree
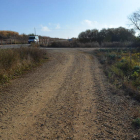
82 37
101 35
94 35
107 35
88 36
32 34
8 34
121 34
135 19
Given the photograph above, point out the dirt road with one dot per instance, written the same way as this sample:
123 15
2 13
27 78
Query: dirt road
66 98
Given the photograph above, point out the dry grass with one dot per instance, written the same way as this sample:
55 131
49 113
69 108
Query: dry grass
122 68
73 44
14 62
11 37
7 34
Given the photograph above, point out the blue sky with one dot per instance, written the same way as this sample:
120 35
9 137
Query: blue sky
64 18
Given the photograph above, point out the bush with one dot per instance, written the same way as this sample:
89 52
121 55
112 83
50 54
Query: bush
74 44
122 70
125 66
136 122
15 61
136 68
7 58
117 71
117 44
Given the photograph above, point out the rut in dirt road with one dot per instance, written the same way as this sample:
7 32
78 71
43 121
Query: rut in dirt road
71 114
59 106
66 98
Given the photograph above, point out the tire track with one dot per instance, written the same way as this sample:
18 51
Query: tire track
66 99
113 111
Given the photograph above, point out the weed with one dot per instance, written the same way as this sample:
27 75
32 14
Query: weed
14 62
136 122
122 69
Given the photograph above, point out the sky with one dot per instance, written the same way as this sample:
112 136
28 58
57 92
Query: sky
64 18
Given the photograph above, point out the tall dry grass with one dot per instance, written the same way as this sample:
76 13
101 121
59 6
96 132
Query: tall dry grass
14 62
72 44
122 67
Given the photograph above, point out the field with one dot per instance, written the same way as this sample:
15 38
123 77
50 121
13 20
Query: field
14 62
122 67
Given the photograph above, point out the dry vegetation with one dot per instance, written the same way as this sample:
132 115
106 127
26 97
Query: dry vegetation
14 62
122 67
73 44
77 44
12 37
8 34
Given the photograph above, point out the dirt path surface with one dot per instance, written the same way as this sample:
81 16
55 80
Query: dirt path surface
66 98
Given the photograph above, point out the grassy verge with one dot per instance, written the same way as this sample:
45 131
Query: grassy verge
122 68
14 62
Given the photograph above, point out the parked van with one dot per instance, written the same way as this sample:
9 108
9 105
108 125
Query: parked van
33 39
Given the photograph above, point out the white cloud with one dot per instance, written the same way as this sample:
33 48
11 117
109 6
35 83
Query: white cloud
45 29
58 26
110 26
90 23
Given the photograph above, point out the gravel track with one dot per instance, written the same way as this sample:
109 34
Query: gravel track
66 98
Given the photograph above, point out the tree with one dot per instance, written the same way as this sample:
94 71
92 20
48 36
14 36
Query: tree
82 37
107 35
94 35
135 19
88 36
32 34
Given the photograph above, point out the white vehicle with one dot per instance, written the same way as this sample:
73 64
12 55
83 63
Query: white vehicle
34 39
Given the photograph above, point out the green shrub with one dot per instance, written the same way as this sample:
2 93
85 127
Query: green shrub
136 68
135 75
136 122
112 56
117 71
125 66
124 73
3 79
136 82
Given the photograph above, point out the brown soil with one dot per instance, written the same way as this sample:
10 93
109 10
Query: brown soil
66 98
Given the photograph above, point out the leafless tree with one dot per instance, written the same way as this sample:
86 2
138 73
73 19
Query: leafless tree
135 20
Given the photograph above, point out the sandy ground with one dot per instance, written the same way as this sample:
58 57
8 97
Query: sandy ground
66 98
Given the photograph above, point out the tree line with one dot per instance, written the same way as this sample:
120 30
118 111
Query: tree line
119 34
107 35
